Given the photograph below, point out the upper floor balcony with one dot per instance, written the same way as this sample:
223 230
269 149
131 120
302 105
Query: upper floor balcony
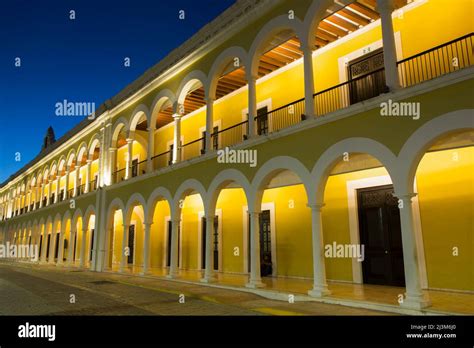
360 50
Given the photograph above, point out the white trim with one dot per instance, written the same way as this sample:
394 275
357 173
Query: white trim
352 186
265 206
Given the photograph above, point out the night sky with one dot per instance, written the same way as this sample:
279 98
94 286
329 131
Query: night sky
80 60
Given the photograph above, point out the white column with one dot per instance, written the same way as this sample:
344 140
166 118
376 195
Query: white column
123 258
72 246
88 176
128 162
255 280
82 261
61 249
52 246
76 179
209 272
320 287
308 81
56 191
385 8
177 138
252 112
414 296
50 185
173 271
146 247
66 183
151 148
209 122
112 166
45 246
42 194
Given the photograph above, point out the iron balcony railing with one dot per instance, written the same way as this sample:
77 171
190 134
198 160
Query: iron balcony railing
118 175
231 135
138 168
192 149
161 160
437 61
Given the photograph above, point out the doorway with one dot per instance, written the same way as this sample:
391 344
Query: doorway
131 243
369 76
380 233
168 244
215 243
265 238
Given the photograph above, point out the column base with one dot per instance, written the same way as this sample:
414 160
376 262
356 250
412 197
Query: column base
255 284
208 279
319 291
145 273
172 275
416 301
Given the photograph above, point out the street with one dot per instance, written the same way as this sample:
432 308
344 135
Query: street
47 290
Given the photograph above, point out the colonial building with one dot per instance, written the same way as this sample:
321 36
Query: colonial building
304 143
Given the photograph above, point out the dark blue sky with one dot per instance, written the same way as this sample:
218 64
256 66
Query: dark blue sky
79 60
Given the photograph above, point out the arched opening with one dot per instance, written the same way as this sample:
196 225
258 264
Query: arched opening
48 235
361 224
133 236
227 76
229 247
139 135
114 242
162 116
445 188
80 172
160 233
120 153
55 237
93 169
87 237
275 47
280 206
191 101
76 239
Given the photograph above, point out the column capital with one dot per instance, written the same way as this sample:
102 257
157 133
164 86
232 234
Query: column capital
129 140
210 100
176 221
88 162
176 116
125 226
148 223
316 206
405 196
112 149
255 212
151 128
210 216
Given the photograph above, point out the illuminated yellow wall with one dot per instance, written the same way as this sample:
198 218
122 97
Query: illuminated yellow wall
157 235
446 194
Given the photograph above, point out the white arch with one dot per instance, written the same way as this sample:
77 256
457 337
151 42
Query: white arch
223 179
139 111
93 143
226 56
75 219
117 127
271 168
189 82
81 151
267 33
134 200
334 154
158 103
70 157
159 192
66 216
315 14
188 186
87 215
423 138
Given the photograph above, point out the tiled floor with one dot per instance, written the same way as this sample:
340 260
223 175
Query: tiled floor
442 301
